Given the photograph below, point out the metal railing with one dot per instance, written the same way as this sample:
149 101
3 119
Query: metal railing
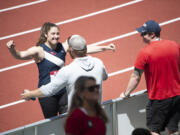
124 116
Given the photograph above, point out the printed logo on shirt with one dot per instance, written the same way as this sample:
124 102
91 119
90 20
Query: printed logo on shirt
53 74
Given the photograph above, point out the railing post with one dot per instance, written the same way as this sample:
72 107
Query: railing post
36 130
114 116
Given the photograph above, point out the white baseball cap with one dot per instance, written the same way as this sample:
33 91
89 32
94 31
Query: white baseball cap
77 42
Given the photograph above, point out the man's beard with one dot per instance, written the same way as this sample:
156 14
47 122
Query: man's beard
146 41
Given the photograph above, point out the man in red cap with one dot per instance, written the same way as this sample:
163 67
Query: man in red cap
160 61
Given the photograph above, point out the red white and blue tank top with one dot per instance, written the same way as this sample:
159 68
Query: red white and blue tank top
52 62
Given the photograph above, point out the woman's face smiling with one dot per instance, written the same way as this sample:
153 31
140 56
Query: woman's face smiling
52 36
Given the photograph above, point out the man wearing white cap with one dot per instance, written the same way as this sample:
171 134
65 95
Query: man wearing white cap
82 65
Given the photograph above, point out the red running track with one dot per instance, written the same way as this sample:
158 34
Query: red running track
95 28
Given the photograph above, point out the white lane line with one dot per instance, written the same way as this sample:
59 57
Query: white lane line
110 74
120 71
100 12
22 5
132 33
74 19
12 103
114 38
97 43
16 66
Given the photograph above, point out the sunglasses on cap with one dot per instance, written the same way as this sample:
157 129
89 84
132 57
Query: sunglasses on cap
92 88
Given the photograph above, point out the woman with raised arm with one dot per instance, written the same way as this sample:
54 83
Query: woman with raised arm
49 55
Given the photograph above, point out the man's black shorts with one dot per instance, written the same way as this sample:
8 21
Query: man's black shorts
163 113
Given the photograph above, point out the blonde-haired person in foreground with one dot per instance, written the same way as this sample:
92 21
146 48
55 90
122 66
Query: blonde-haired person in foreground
86 116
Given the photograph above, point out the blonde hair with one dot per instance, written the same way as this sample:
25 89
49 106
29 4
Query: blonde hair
78 102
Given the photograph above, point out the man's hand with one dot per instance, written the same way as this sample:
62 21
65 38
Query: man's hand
10 44
26 95
123 95
111 47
